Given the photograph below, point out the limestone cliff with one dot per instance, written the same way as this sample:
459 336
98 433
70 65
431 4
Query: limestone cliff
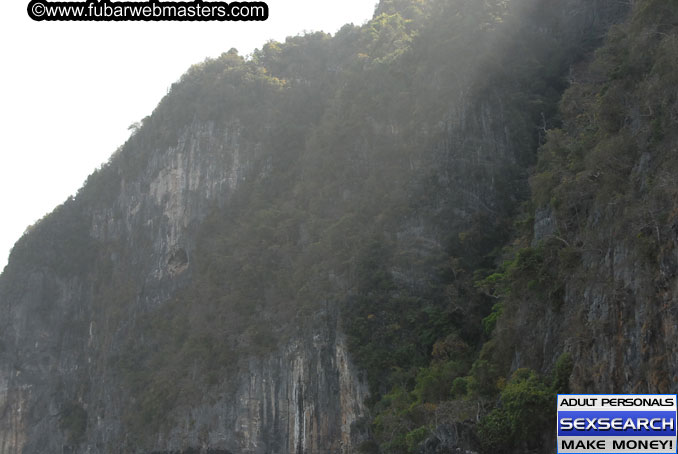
288 244
59 389
605 206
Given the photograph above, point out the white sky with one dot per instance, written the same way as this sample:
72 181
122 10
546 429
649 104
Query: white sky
69 90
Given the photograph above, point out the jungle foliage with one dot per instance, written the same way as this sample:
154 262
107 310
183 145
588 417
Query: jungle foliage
394 194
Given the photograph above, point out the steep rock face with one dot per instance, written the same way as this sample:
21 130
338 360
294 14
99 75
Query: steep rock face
241 218
174 191
458 439
615 318
605 220
302 397
305 397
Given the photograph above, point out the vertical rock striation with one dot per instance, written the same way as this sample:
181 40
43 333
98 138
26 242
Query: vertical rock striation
188 299
59 391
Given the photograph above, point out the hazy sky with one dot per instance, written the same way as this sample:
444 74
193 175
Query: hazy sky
69 90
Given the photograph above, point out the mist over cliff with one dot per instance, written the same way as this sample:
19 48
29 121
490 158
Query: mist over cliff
403 238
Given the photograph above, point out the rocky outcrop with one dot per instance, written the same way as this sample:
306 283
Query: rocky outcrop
305 398
58 388
457 438
312 153
608 226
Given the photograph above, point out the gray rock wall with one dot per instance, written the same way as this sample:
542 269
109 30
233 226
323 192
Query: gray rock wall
60 337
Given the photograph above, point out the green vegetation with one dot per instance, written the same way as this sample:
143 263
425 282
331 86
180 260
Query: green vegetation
599 172
525 415
387 187
615 112
72 254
